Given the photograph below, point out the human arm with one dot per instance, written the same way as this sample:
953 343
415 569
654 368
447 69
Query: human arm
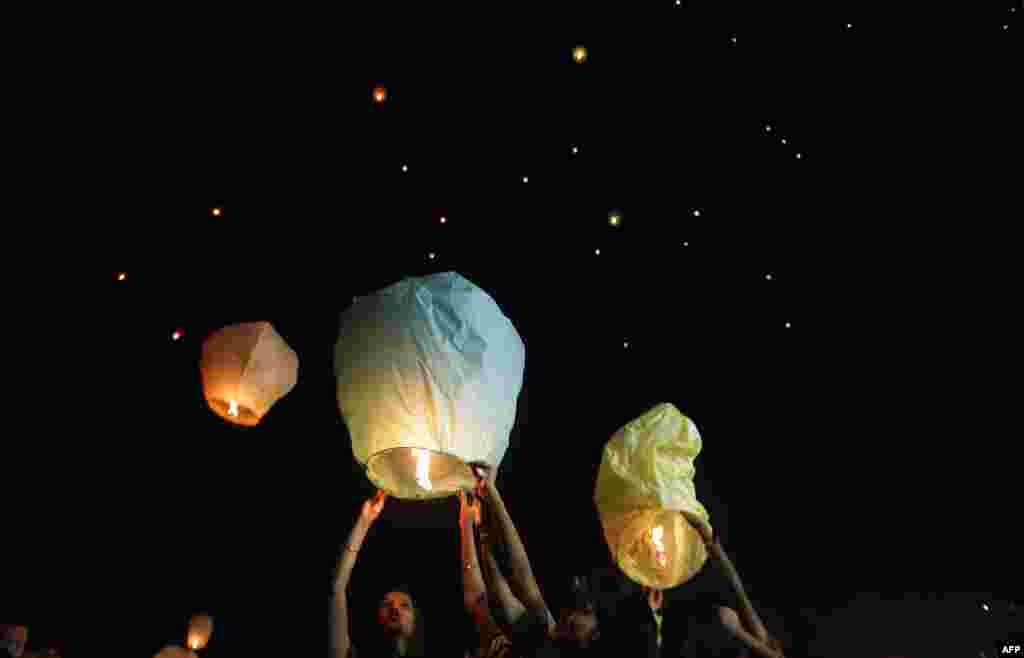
341 643
497 587
751 620
767 647
474 590
522 582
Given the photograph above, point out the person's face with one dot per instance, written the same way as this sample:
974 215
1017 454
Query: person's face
396 615
580 625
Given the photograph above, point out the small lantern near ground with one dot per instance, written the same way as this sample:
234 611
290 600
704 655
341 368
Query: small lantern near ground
175 652
428 375
647 502
246 368
200 628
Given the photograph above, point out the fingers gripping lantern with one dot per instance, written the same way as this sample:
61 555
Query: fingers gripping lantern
647 502
428 372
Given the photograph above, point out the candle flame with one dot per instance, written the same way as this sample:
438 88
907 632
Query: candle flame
657 533
195 644
233 408
423 468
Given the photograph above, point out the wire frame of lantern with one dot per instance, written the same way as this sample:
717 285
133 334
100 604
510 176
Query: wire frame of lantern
246 368
428 374
200 629
656 548
418 473
647 502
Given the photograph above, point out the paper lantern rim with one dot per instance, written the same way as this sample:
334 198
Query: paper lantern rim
622 552
246 416
461 474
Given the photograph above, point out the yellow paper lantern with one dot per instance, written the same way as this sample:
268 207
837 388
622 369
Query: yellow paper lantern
647 501
428 374
579 54
175 652
246 368
200 628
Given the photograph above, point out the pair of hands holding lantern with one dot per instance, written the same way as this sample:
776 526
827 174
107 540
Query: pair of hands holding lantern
520 591
470 503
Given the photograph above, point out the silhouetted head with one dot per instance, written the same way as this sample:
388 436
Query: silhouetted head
578 624
399 622
396 615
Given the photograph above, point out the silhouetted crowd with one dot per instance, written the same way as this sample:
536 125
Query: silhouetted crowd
511 617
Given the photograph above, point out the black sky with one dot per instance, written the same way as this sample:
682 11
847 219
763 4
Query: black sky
856 451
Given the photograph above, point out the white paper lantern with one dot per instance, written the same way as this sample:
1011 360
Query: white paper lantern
175 652
428 374
200 628
246 368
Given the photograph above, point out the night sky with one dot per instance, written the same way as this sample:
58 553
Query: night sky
807 258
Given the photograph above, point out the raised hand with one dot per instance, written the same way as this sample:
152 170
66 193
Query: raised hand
469 510
486 477
372 507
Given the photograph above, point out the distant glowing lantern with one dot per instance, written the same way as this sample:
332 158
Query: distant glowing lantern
428 375
615 218
246 368
175 652
647 502
178 333
380 94
579 54
216 212
200 628
121 276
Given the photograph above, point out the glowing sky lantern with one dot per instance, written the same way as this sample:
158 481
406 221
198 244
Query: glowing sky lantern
200 628
647 502
175 652
428 371
246 368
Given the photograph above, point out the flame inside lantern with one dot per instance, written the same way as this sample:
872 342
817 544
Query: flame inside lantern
423 468
657 533
233 408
